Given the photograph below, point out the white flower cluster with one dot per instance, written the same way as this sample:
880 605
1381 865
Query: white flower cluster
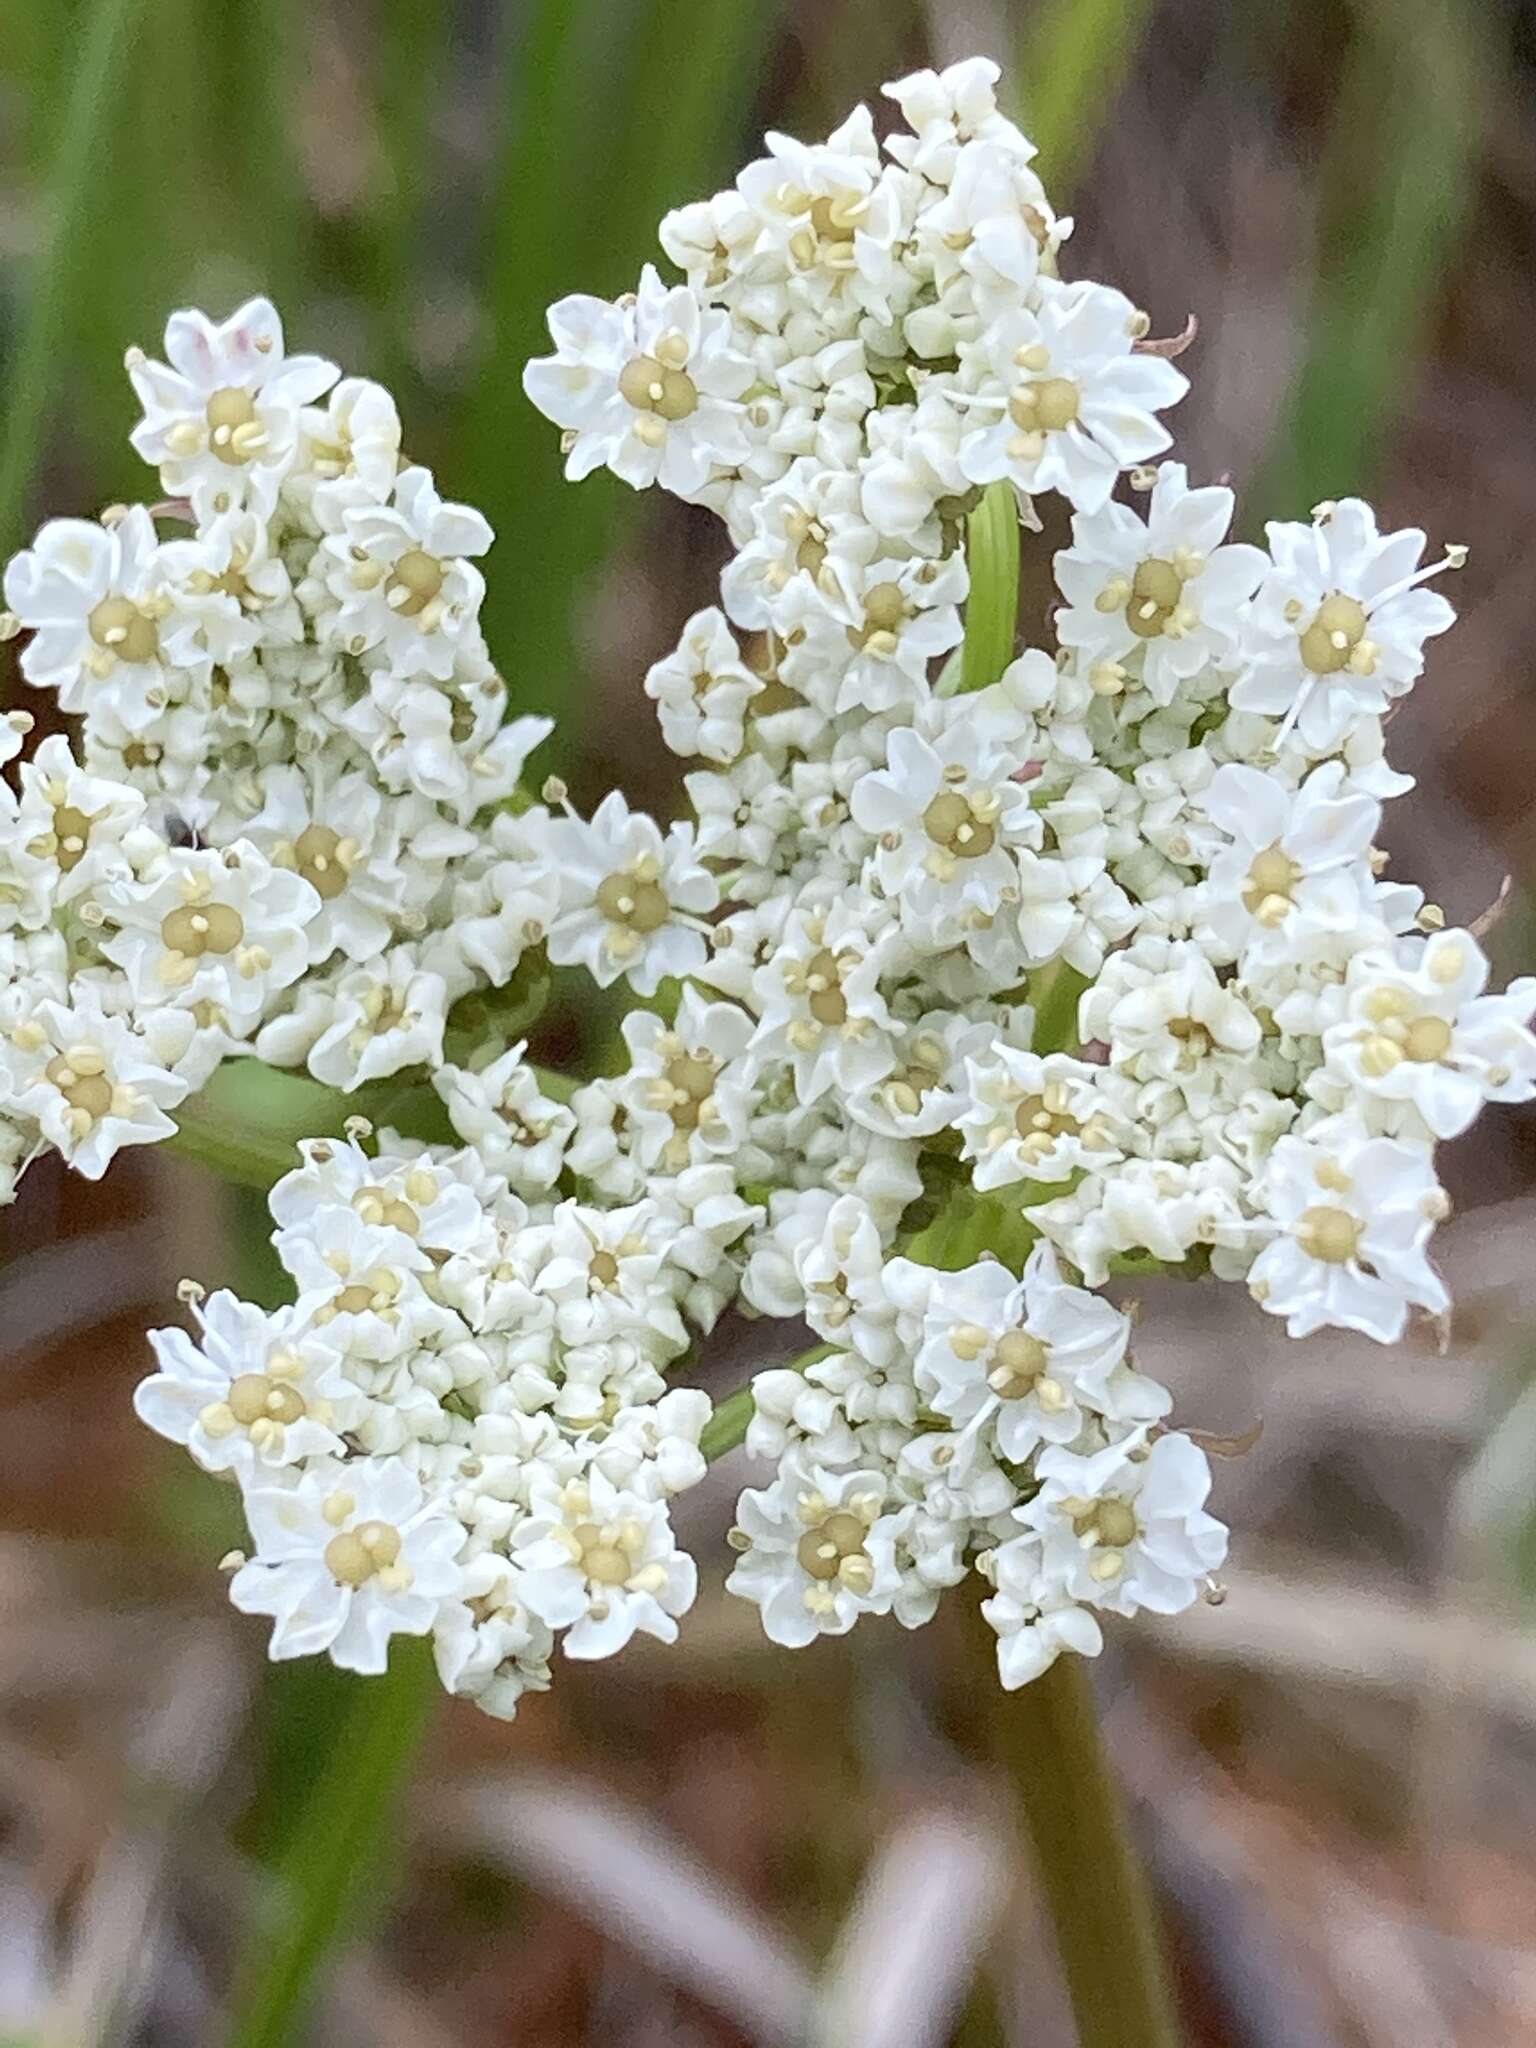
290 738
1097 959
947 1004
460 1426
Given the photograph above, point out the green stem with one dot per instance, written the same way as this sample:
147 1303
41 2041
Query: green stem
992 610
330 1867
1047 1738
727 1427
63 277
247 1123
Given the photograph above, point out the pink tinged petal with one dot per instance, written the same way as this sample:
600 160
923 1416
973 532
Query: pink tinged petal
191 345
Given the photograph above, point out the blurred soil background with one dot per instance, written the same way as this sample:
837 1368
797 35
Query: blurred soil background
712 1847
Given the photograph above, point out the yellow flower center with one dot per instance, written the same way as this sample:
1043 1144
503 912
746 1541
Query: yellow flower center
118 625
357 1555
234 432
660 388
825 1546
1157 590
1337 630
1328 1234
194 929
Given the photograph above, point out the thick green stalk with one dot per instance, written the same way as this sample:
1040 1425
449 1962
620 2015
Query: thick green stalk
1047 1737
727 1427
63 278
992 610
248 1122
1047 1734
330 1868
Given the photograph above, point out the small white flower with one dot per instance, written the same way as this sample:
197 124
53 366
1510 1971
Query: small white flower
1418 1031
1164 1015
651 387
221 418
107 628
828 215
947 109
1163 597
633 899
603 1271
427 1194
387 1015
91 1081
1353 1215
948 816
686 1093
1264 889
237 589
869 640
821 1005
489 1646
989 228
70 827
701 690
1125 1527
1033 1117
340 835
349 452
403 581
601 1563
926 1090
1338 627
1035 1621
359 1283
251 1389
1034 1356
818 1550
501 1110
353 1554
220 934
842 1273
1076 405
503 911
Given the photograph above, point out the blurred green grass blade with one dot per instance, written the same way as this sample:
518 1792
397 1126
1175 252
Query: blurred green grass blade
408 50
333 1860
1073 58
1397 183
65 279
992 609
251 66
620 114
